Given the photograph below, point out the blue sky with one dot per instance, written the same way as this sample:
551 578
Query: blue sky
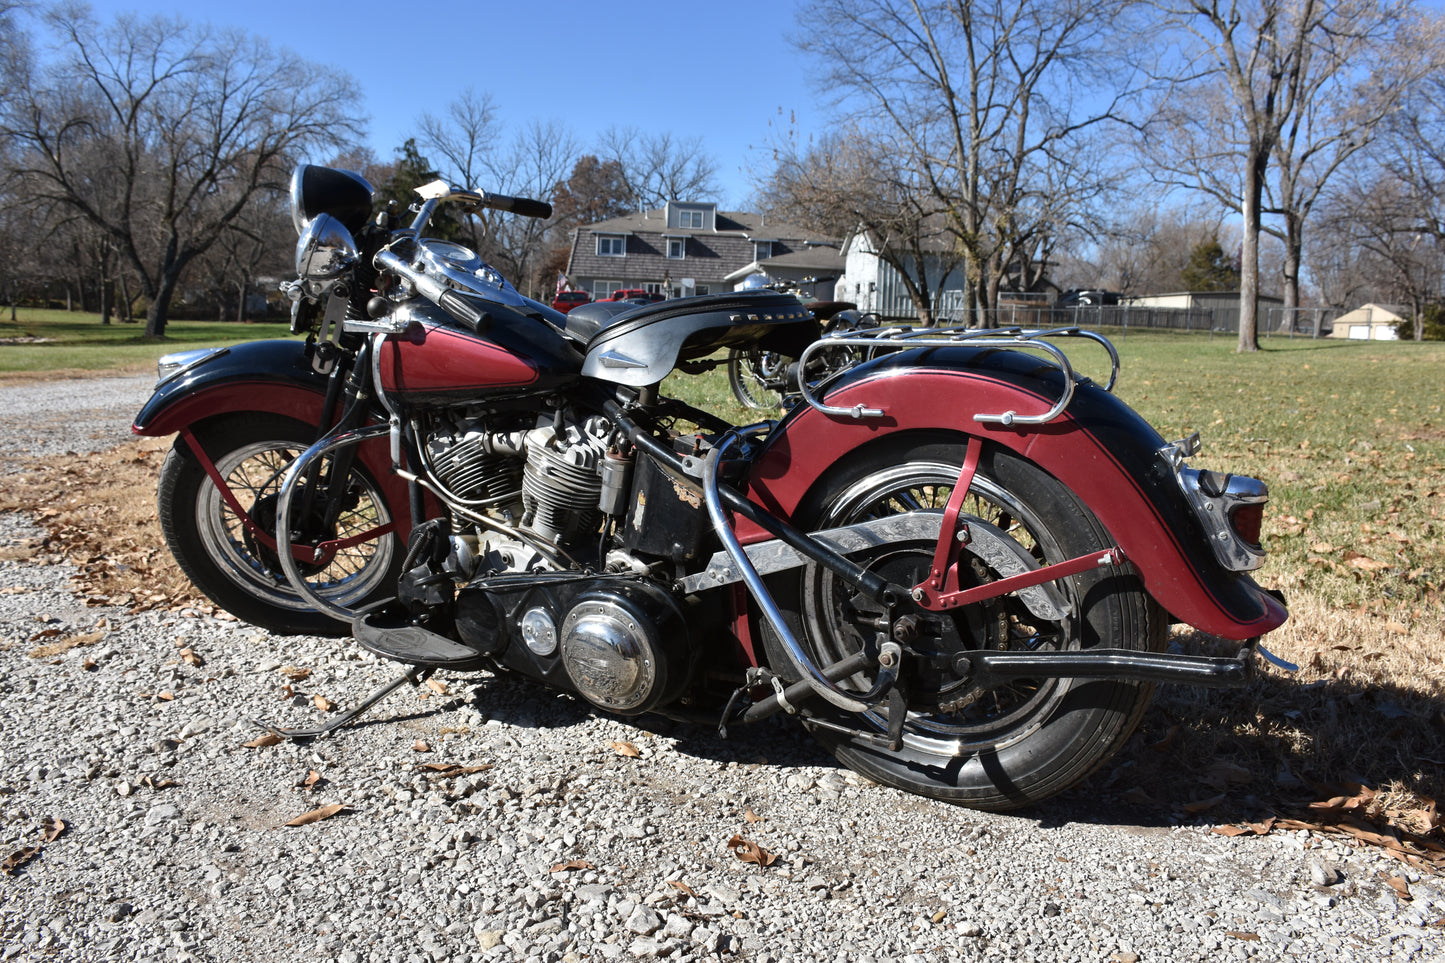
719 72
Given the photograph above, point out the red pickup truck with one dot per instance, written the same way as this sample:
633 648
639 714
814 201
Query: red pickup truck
629 294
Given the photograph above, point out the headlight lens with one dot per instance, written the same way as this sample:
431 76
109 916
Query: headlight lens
325 250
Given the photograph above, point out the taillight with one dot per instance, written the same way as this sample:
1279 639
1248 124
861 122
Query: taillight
1248 521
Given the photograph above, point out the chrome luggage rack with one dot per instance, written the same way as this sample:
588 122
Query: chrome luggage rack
901 338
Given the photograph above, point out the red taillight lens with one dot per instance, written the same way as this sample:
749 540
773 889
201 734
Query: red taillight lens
1248 520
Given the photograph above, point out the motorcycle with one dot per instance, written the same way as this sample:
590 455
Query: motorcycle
954 560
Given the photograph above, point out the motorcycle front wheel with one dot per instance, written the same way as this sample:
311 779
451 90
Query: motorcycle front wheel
755 376
996 749
240 571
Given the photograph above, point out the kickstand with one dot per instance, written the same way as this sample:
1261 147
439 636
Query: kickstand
413 674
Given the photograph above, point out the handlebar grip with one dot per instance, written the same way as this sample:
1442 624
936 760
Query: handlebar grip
467 311
524 206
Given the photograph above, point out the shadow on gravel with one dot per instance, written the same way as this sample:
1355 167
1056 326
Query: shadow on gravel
1277 748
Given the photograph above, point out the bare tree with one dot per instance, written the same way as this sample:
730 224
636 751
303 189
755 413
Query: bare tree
540 155
659 167
850 184
1300 84
987 99
187 124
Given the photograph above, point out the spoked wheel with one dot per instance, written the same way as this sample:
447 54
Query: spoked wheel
756 377
998 748
236 565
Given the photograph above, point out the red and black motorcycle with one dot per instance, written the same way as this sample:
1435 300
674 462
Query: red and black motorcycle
955 561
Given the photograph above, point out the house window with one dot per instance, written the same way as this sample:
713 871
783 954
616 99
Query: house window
676 248
603 289
699 289
689 219
762 250
611 245
654 287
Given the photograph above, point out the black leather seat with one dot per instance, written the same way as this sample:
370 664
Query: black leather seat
584 321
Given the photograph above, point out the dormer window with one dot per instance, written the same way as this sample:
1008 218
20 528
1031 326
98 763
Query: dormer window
676 248
762 250
689 219
611 245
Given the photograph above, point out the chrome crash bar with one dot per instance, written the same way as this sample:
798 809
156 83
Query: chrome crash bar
899 338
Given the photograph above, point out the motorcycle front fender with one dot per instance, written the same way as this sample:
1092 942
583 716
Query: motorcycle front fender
270 377
1099 447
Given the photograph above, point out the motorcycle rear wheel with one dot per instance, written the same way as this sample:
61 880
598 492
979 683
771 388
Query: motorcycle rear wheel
1014 745
239 572
753 375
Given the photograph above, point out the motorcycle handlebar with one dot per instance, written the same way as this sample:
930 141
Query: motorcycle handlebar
524 206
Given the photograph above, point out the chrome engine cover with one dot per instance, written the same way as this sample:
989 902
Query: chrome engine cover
624 654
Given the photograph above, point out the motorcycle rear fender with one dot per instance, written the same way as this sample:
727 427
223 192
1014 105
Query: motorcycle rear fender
271 377
1099 447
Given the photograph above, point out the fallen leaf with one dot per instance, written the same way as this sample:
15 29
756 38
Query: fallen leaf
679 884
1201 805
626 749
752 817
151 782
166 696
420 746
295 674
1251 937
190 658
750 852
51 829
449 769
312 778
261 742
316 815
437 686
1399 885
570 865
1167 740
10 864
323 703
1232 831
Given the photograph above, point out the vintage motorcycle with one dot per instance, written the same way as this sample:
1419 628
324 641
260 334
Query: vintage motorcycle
954 561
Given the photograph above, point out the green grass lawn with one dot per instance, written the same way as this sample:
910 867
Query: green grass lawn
41 340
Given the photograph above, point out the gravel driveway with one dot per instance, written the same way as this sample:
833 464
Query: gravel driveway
496 821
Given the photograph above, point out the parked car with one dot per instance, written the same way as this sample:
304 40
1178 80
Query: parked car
567 300
633 294
1085 298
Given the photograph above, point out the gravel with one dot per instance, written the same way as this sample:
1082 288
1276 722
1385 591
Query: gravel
543 841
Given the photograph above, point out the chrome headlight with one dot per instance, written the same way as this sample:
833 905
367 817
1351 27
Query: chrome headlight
325 250
345 195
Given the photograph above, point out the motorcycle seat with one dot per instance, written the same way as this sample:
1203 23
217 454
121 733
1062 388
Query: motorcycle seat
584 321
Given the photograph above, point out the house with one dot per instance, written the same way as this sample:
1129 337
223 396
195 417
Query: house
686 248
1370 322
877 287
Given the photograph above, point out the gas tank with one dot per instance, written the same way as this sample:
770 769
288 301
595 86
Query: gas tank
441 362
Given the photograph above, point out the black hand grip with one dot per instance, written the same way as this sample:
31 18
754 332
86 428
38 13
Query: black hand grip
467 311
524 206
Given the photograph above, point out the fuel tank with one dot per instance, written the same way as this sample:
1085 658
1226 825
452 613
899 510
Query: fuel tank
441 362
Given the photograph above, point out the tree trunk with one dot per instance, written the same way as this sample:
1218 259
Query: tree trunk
160 307
1249 251
125 306
107 299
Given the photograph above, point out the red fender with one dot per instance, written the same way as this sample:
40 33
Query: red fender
1142 518
291 401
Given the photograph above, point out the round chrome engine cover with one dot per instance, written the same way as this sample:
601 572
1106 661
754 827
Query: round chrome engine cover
610 653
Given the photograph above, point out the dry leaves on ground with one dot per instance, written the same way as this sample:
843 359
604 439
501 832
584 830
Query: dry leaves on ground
316 815
750 852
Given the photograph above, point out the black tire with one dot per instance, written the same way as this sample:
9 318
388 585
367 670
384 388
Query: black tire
241 574
752 373
1000 749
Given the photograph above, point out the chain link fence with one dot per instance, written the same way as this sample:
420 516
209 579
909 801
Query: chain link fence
1274 322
